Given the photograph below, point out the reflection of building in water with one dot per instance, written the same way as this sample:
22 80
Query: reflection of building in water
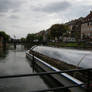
3 53
1 41
14 42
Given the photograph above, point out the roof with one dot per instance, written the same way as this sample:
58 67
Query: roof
89 16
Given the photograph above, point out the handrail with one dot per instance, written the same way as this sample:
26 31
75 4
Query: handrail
87 85
58 88
47 73
43 73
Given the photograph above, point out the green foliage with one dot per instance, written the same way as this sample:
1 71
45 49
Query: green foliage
30 38
40 38
58 30
4 35
71 44
62 44
23 40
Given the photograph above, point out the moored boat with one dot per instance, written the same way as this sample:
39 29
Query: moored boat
63 78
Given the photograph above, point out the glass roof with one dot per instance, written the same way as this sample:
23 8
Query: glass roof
78 58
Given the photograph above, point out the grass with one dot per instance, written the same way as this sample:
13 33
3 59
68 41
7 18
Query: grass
62 44
71 44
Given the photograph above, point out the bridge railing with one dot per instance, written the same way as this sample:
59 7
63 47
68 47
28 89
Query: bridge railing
87 85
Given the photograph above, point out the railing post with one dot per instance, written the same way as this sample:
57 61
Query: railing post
33 61
88 81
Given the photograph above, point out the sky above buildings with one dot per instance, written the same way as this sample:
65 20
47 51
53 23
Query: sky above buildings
20 17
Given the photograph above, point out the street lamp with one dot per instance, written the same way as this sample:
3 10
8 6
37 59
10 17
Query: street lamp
14 42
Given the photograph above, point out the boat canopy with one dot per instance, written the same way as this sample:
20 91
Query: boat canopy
79 58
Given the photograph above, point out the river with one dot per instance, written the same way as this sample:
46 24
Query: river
14 62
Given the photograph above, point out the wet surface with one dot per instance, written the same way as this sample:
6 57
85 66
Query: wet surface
15 62
78 58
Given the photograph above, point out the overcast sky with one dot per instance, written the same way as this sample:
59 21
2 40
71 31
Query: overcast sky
20 17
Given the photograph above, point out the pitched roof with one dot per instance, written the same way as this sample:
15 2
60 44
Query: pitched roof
89 16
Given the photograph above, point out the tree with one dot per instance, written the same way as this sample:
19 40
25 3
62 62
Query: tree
58 30
40 38
4 35
5 38
30 38
22 40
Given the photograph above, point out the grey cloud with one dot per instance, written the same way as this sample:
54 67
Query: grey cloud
84 10
17 26
2 15
54 7
79 11
6 5
15 10
13 17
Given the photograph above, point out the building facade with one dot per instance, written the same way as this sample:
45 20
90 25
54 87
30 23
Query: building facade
75 28
86 27
82 27
43 34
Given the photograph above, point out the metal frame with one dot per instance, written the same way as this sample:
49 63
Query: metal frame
45 73
59 88
48 73
87 85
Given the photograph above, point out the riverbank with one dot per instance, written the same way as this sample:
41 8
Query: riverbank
84 46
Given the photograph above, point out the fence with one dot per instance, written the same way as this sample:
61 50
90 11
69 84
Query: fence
87 85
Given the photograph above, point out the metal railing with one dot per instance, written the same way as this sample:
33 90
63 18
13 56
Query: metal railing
87 85
49 73
58 88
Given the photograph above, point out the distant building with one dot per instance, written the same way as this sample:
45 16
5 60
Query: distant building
75 28
71 24
86 27
69 39
42 33
82 27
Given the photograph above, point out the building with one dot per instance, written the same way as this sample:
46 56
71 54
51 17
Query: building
75 28
43 34
71 24
86 27
82 27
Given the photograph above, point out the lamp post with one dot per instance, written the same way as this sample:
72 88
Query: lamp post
14 42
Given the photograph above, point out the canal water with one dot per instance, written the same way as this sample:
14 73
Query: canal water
14 62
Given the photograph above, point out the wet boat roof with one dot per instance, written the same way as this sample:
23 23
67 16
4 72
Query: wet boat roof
78 58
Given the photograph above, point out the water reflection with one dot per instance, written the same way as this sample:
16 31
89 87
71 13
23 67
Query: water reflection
49 80
15 62
3 53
